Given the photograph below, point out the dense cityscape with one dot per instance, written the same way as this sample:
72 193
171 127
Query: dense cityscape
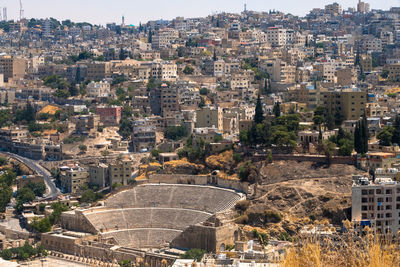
258 139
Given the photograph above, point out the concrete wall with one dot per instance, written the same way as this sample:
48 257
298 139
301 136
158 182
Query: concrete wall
205 237
76 222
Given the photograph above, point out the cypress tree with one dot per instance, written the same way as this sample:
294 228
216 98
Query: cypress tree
357 138
268 86
357 60
277 110
259 115
365 133
396 132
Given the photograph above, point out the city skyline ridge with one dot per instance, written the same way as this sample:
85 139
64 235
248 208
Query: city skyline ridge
102 12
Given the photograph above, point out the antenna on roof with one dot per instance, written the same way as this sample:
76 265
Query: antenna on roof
21 10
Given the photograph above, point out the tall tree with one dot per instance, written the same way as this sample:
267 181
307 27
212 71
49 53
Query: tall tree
29 112
357 138
396 132
259 115
277 110
357 60
364 133
267 87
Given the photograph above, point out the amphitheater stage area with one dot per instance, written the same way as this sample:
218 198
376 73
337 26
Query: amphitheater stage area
157 216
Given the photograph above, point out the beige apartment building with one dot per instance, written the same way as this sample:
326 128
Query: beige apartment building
164 70
393 72
73 178
350 103
334 9
280 71
222 68
346 76
121 171
239 81
326 72
98 175
208 117
97 70
366 62
276 36
12 67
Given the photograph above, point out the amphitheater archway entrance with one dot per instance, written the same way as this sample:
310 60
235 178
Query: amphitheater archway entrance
222 247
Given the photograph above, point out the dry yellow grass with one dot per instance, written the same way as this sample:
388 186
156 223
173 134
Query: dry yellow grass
50 109
220 161
181 162
350 250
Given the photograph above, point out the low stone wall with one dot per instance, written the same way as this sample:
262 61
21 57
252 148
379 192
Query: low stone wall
313 158
200 79
14 234
199 180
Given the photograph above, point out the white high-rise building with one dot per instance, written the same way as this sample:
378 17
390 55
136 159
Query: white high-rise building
276 36
362 7
46 28
376 204
5 14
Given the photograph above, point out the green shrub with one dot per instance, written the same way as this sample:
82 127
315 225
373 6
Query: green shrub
242 206
242 219
194 253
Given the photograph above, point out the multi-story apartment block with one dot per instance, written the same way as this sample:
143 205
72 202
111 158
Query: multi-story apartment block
334 9
120 171
73 178
209 117
143 136
276 36
366 63
326 72
164 37
12 67
346 76
376 204
350 103
363 7
164 70
222 68
393 71
280 71
109 116
169 100
98 175
96 70
98 89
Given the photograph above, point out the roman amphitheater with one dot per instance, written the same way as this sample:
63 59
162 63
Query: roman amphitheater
147 221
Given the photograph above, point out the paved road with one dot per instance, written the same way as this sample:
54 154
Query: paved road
53 191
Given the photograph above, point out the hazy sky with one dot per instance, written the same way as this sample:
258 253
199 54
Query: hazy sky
103 11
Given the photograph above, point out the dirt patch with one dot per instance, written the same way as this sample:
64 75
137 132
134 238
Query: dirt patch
301 191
